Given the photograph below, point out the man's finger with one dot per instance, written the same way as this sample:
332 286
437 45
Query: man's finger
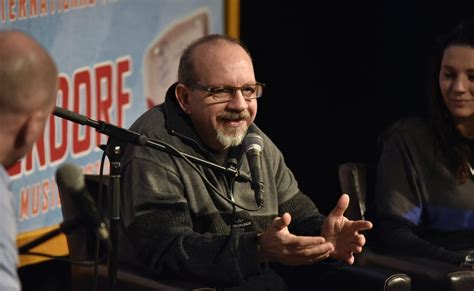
303 242
282 222
341 205
360 225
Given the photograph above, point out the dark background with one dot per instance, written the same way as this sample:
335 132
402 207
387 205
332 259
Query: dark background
337 74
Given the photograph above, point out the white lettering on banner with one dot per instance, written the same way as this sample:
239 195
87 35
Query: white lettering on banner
16 10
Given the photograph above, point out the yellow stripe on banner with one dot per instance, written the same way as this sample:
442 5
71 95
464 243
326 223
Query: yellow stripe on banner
57 246
232 18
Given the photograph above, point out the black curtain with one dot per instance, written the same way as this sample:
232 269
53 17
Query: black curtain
337 74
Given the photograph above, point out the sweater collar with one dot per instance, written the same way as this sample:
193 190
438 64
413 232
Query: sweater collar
177 122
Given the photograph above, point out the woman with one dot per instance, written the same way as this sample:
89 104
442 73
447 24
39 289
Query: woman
425 189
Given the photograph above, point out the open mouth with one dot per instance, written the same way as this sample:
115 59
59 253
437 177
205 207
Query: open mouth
233 122
234 119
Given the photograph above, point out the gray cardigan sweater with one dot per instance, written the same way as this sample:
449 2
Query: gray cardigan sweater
180 228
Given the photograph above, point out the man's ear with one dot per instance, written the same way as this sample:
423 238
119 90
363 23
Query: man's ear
30 130
182 95
20 138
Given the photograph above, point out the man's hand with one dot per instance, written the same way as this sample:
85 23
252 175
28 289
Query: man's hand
277 244
344 233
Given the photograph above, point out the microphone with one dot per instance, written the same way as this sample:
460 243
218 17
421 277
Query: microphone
75 117
253 146
71 180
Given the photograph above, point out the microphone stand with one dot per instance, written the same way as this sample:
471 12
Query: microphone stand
118 139
114 152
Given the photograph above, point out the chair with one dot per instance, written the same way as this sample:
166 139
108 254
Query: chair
357 180
81 244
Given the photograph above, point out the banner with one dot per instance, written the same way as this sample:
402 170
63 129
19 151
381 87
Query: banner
116 59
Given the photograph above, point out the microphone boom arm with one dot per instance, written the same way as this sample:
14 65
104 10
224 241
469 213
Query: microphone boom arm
135 138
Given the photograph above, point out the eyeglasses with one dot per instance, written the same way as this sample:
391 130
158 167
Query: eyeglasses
227 93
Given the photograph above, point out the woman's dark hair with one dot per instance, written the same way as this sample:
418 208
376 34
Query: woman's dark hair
453 145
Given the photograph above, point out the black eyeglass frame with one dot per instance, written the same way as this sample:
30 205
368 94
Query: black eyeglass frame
211 90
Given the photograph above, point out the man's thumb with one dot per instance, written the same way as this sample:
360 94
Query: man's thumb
341 205
283 221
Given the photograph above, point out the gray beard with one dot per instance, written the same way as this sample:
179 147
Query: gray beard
232 139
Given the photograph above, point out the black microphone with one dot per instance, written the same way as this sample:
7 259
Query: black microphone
71 180
75 117
253 145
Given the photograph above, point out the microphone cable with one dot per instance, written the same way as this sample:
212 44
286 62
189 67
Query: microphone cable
204 178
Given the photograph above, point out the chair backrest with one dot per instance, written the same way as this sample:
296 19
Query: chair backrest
353 181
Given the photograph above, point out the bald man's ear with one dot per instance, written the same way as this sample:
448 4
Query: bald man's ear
31 129
20 138
182 95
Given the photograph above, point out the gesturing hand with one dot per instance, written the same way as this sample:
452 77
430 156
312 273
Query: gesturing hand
344 233
279 245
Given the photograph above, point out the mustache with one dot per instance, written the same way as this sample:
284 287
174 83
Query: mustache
235 115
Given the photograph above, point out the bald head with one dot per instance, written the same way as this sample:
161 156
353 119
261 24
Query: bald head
187 71
28 90
28 75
